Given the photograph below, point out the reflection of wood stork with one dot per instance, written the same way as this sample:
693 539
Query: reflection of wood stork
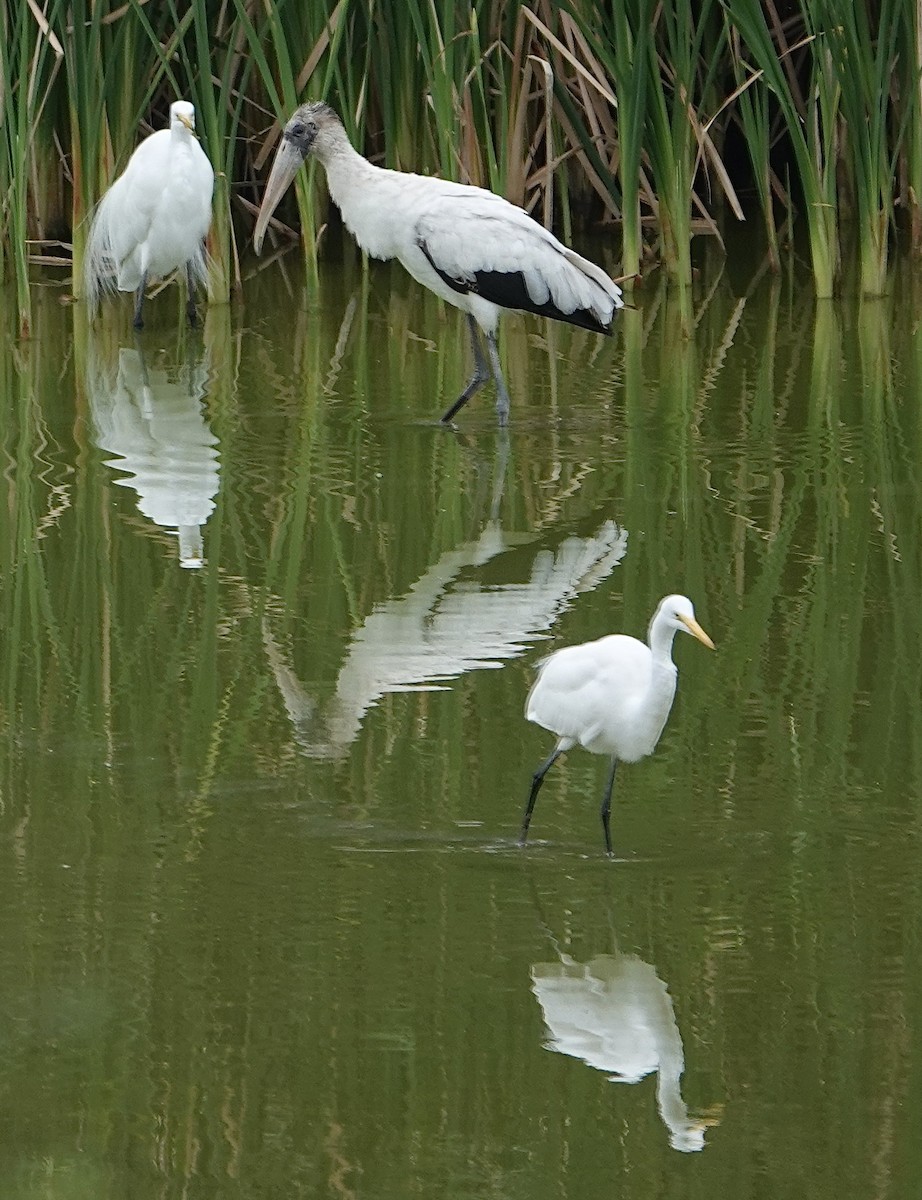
468 245
448 623
616 1015
154 218
611 696
156 426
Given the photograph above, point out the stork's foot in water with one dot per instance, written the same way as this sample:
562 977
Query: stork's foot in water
502 395
477 380
483 369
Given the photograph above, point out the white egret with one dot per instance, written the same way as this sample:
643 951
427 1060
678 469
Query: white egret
154 218
611 696
468 245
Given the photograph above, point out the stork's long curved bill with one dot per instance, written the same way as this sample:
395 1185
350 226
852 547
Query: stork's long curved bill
696 631
288 159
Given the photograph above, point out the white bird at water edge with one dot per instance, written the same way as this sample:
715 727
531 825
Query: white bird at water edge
469 246
154 218
611 696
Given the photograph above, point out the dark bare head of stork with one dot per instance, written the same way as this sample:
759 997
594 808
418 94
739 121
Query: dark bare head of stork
314 129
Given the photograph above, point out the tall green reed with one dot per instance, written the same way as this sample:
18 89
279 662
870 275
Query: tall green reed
863 59
908 105
754 117
810 120
299 62
30 59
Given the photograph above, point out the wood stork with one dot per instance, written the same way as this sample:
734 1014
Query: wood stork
611 696
468 245
154 218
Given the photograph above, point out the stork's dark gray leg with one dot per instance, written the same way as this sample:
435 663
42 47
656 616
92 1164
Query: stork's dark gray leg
536 781
138 321
606 807
190 299
478 379
502 396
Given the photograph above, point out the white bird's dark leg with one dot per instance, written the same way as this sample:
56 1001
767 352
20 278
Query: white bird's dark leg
478 379
502 395
138 321
536 781
190 300
606 807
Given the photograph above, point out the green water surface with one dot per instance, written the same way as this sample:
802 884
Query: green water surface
264 928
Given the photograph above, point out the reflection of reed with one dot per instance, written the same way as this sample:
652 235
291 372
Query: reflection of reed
615 1014
448 623
154 422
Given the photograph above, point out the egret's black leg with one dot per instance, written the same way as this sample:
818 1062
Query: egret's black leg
138 321
478 379
502 396
536 781
606 807
190 299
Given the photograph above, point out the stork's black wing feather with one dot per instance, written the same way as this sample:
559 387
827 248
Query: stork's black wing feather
508 289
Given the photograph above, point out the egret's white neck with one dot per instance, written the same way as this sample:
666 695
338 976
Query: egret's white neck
663 677
660 642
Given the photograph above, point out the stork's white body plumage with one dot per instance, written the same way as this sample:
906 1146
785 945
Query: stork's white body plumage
611 696
468 245
154 218
436 228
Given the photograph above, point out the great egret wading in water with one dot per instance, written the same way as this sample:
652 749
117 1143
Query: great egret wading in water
154 218
469 246
611 696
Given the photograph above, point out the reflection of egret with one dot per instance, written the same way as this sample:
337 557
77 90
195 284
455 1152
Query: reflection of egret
157 428
446 624
154 218
611 696
616 1015
469 246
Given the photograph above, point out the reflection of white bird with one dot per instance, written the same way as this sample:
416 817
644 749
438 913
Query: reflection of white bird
616 1015
611 696
157 428
448 623
468 245
154 218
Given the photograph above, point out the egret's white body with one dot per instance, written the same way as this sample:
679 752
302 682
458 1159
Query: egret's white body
469 246
154 218
611 696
